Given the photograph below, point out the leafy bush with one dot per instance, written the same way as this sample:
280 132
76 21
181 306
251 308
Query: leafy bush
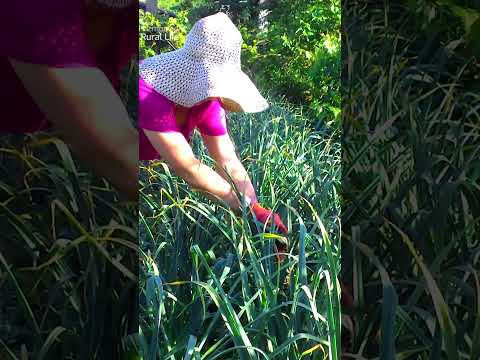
157 35
297 55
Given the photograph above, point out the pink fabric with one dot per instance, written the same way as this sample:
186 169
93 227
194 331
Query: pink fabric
53 33
157 113
45 32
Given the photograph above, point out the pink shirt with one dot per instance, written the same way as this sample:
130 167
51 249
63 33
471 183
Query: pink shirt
157 113
54 33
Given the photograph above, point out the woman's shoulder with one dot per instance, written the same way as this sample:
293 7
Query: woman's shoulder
208 109
210 104
210 118
147 92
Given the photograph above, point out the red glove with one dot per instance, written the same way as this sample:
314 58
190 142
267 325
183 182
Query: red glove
266 215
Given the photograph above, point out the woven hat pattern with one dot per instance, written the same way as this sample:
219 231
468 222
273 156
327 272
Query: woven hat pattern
216 39
208 65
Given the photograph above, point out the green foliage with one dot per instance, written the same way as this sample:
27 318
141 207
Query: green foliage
295 57
411 181
67 256
210 285
436 17
157 35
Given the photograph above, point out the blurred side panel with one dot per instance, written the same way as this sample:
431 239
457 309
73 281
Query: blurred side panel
68 179
410 179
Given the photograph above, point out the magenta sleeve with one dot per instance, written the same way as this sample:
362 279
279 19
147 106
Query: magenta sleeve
156 112
212 120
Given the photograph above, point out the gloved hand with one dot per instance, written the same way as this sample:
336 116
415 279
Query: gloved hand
265 216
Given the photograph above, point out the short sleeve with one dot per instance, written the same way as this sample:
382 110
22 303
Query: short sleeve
212 120
156 112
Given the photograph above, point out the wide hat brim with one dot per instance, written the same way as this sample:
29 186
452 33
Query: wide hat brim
187 80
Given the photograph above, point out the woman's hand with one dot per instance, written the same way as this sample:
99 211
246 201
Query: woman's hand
228 165
266 216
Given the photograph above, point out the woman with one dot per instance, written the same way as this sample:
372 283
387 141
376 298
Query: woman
190 88
60 61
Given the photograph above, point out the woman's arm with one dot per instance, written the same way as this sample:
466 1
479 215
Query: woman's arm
175 150
222 150
82 104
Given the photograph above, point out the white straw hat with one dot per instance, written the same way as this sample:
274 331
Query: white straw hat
208 65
